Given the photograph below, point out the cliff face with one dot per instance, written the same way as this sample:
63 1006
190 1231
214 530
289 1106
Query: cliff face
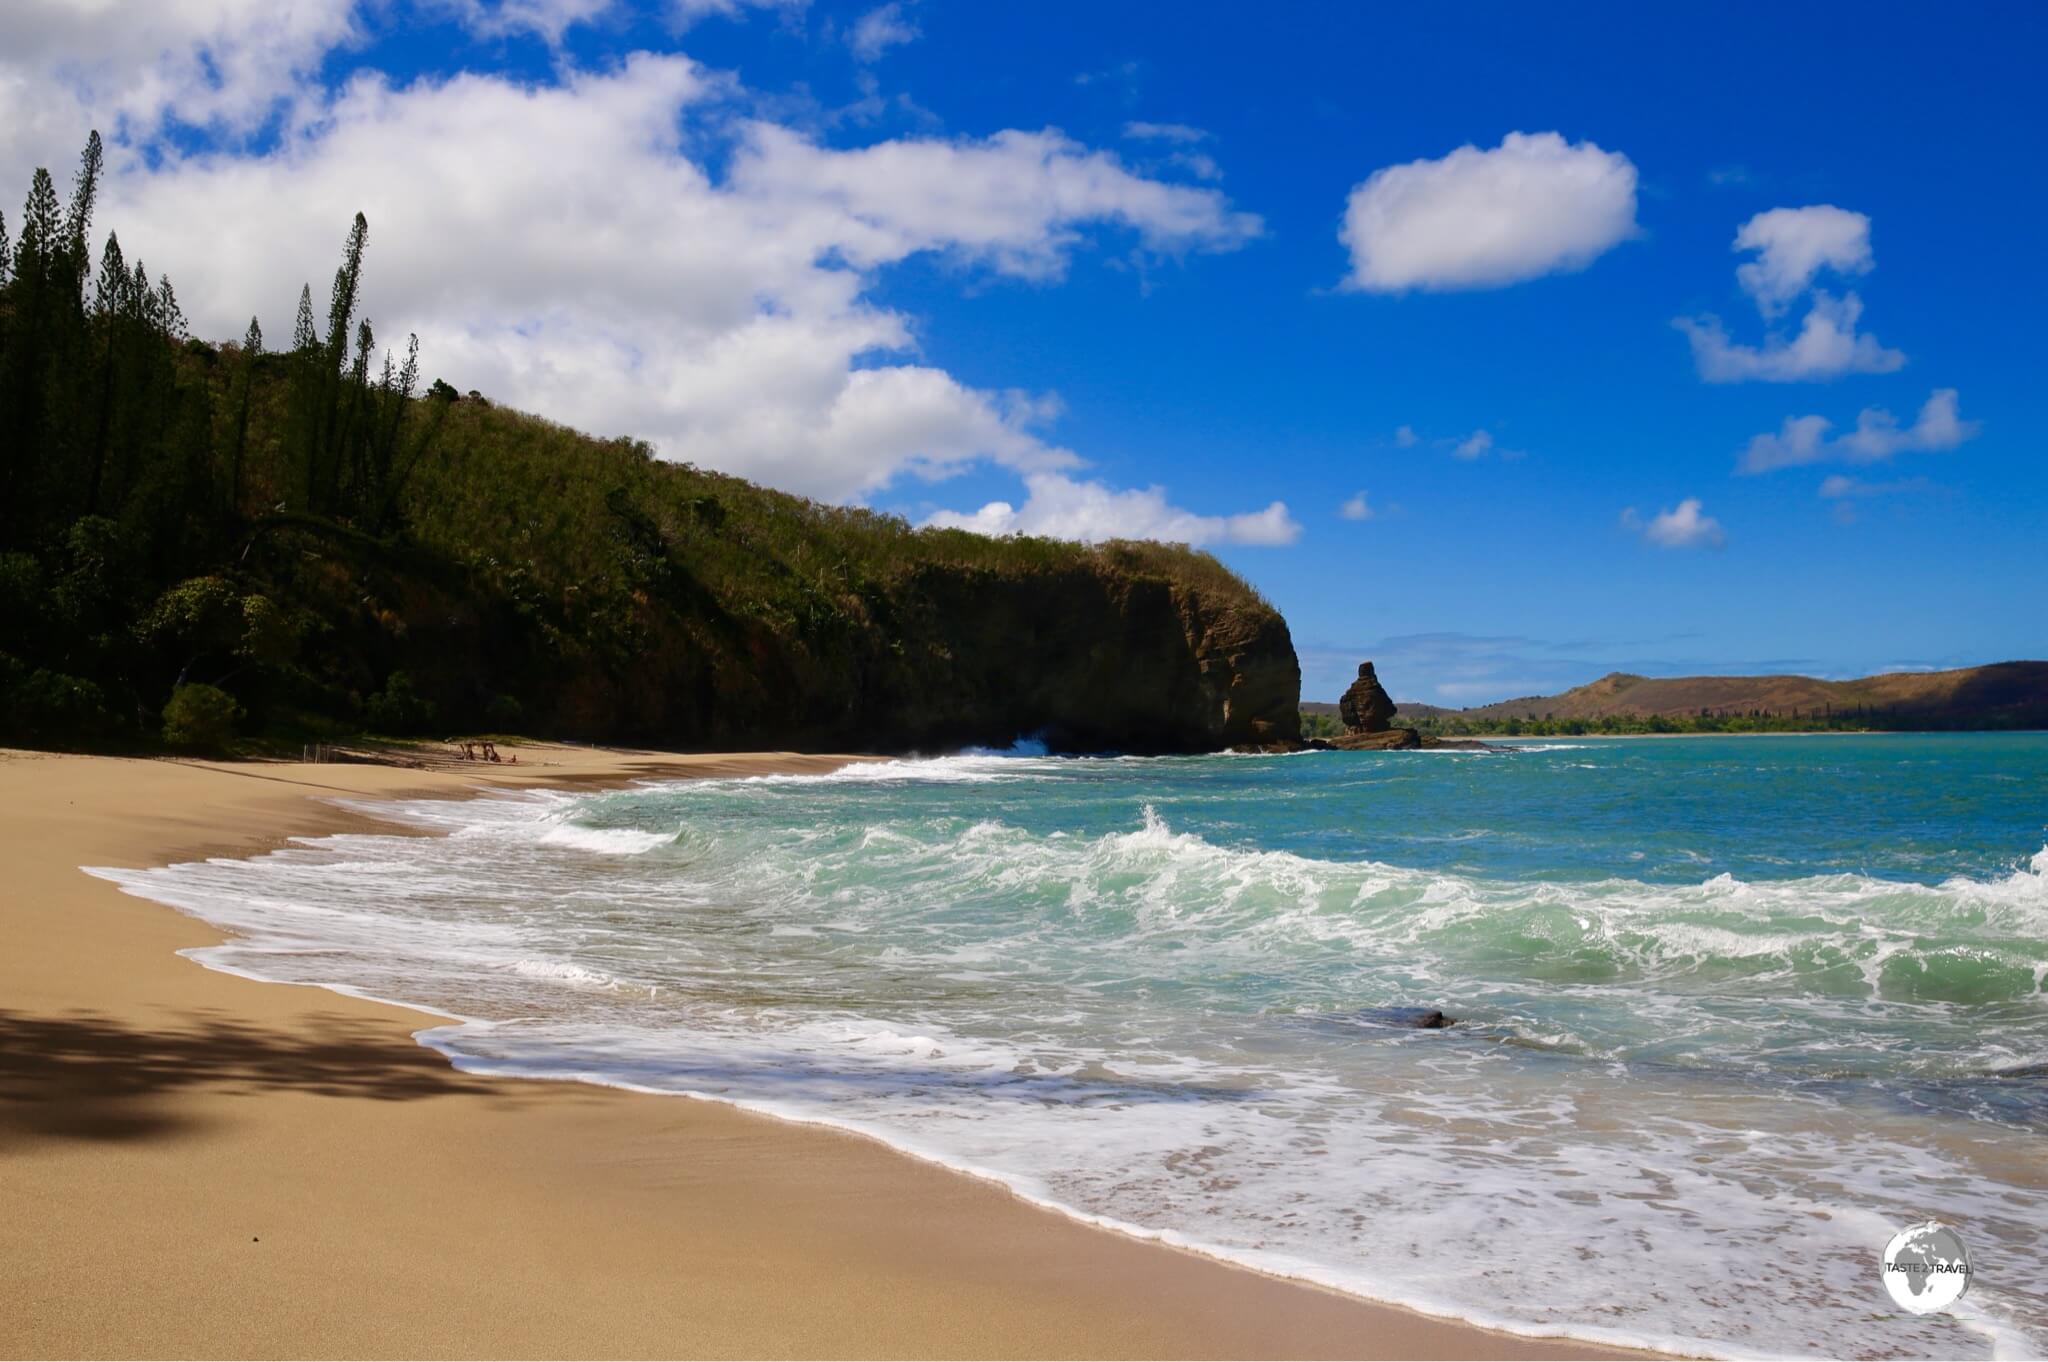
692 610
527 578
1086 658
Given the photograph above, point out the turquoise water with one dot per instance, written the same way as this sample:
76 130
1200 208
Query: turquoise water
1732 1011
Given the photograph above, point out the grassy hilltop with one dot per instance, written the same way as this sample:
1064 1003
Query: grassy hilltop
2002 695
205 544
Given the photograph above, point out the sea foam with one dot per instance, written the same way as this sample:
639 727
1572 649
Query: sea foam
1036 970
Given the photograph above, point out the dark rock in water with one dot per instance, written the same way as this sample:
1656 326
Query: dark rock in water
1387 739
1366 707
1419 1018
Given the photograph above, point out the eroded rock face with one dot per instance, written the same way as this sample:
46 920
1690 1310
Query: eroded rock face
1087 660
1366 707
1386 740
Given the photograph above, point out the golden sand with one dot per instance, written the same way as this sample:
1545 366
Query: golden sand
195 1164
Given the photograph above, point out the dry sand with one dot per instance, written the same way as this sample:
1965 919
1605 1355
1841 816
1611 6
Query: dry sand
195 1164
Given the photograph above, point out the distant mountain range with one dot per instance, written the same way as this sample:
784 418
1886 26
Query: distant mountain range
2000 695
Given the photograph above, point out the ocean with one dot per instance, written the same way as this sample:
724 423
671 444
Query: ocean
1731 1011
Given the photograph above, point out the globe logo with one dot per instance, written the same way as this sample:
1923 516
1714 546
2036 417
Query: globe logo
1926 1267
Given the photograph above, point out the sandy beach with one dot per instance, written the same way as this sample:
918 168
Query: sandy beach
199 1164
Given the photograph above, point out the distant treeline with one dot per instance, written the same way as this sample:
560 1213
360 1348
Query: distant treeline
1855 719
1753 721
210 544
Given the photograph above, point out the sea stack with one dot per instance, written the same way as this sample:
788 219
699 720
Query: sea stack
1365 709
1366 706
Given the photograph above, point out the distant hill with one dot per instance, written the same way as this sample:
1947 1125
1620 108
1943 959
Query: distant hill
2001 695
204 545
1413 709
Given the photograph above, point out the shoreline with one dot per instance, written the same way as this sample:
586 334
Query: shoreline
151 1112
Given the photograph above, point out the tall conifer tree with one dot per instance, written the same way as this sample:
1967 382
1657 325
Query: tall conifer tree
78 221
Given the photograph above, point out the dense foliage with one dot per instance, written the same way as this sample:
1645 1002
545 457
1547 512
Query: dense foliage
302 543
1755 721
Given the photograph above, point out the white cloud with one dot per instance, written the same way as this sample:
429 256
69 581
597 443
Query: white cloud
1828 345
1059 507
1534 205
1793 245
1800 440
687 12
555 246
879 30
1477 445
1164 132
124 65
1017 200
1877 436
1473 446
1838 486
1357 508
546 19
1684 526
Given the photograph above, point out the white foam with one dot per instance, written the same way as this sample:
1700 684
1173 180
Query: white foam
1068 1014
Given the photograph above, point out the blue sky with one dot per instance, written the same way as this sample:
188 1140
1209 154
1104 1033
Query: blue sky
1021 266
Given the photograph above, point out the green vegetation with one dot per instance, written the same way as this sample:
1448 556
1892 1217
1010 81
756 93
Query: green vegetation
200 717
1533 725
1315 725
200 540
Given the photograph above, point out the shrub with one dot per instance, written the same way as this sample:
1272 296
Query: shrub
200 718
398 708
43 706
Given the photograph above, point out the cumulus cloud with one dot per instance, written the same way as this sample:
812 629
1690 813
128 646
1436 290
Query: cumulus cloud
559 246
1473 446
1684 526
1060 507
1877 436
1470 448
1827 345
1839 486
1017 200
879 30
1793 245
1164 132
546 19
1534 205
1357 508
227 66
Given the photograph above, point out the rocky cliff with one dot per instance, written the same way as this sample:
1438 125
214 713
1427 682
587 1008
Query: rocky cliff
1091 657
562 586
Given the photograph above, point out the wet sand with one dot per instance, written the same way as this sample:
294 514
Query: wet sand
193 1163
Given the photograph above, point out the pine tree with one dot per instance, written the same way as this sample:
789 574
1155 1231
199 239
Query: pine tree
40 231
111 314
110 290
78 221
303 336
252 350
341 305
6 253
30 358
324 454
169 315
141 297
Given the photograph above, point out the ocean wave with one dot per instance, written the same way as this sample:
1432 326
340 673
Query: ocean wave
1160 1030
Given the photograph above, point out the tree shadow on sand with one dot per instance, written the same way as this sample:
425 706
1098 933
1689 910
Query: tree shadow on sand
86 1076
